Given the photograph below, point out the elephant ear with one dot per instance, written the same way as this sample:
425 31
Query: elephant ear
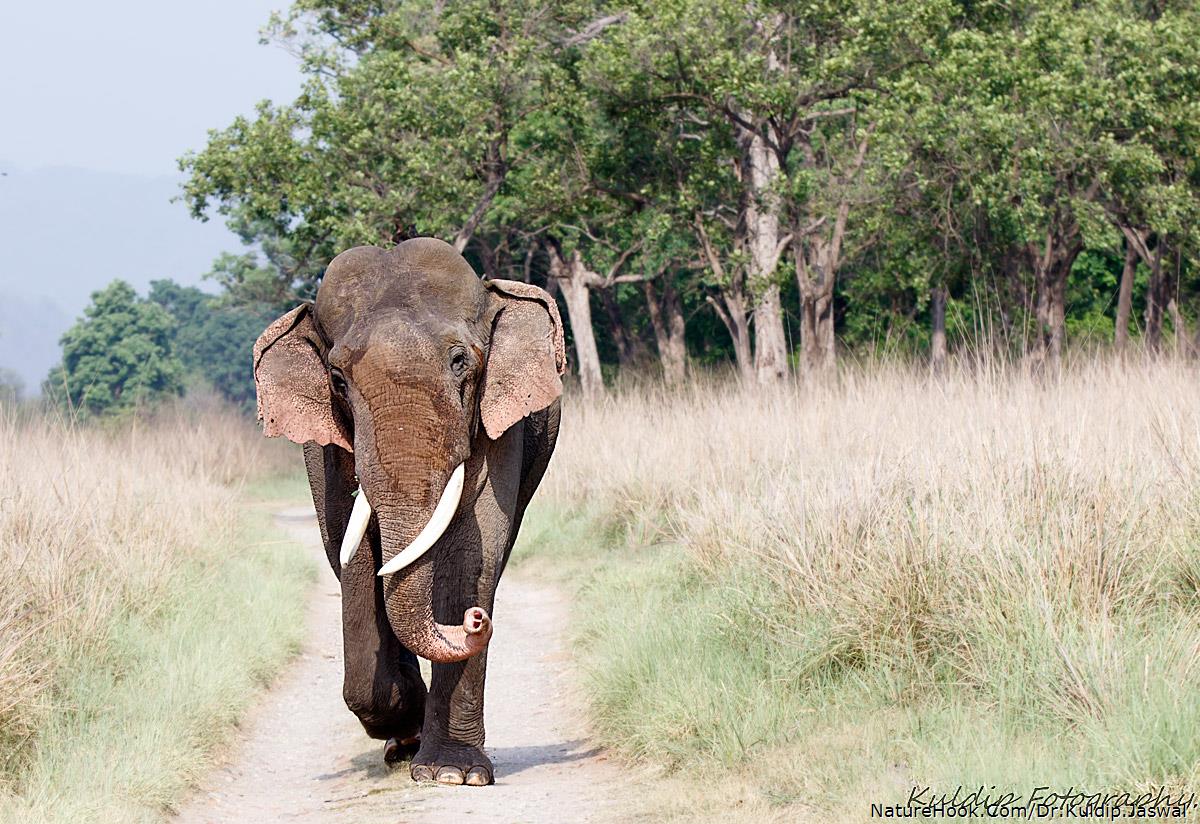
527 357
291 383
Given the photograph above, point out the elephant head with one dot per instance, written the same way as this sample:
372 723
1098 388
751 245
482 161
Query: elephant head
412 363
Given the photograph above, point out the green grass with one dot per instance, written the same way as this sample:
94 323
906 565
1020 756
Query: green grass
290 488
139 719
752 709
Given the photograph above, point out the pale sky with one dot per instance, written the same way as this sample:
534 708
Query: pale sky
97 102
130 85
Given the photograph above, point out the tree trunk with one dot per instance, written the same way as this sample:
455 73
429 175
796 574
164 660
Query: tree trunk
770 342
825 336
1183 341
1051 314
1182 347
574 281
731 309
730 303
1125 298
937 343
762 208
1058 317
1052 268
1156 300
666 318
1157 290
738 324
814 276
809 335
627 345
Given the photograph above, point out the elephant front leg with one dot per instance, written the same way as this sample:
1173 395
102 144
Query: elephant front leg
452 736
383 684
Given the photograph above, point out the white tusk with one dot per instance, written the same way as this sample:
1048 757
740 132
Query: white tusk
442 513
360 516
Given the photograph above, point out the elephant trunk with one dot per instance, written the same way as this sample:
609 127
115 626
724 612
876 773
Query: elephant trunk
408 585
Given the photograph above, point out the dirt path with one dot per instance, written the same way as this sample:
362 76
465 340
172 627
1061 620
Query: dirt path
304 757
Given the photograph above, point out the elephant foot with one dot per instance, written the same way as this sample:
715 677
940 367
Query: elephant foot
390 714
456 765
400 749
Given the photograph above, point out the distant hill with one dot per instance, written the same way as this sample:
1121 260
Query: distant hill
65 232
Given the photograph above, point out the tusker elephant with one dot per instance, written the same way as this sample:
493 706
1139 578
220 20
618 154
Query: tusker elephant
427 401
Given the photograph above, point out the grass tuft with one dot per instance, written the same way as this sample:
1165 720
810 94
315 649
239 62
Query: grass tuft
143 606
836 591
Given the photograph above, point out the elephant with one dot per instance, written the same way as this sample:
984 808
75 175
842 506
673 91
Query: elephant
427 401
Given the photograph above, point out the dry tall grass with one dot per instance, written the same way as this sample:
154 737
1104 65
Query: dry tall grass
872 565
95 523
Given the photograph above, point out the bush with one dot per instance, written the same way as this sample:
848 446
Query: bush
118 357
214 339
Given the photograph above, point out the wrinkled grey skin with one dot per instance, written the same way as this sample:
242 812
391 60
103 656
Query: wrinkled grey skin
411 361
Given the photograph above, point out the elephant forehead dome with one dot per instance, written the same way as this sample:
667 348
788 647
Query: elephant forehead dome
422 276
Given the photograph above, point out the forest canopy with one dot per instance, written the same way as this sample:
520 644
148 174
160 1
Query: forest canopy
767 183
129 353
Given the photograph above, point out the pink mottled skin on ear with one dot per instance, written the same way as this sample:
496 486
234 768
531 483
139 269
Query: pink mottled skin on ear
291 383
527 356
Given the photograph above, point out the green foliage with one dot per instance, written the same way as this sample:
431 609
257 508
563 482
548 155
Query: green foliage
162 681
414 119
118 357
963 141
128 353
1091 296
214 339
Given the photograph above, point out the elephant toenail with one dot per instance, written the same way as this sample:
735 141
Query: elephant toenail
478 777
421 772
449 775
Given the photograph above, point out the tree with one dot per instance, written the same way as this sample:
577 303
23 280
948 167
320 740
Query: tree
708 174
1039 130
777 93
214 338
1150 155
415 120
117 358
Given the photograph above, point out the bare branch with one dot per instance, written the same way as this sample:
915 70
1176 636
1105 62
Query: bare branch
813 226
1137 240
645 276
611 278
485 201
528 267
584 231
782 245
721 313
714 262
829 113
592 30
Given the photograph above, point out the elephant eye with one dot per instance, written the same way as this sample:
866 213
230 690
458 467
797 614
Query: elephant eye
338 381
458 363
